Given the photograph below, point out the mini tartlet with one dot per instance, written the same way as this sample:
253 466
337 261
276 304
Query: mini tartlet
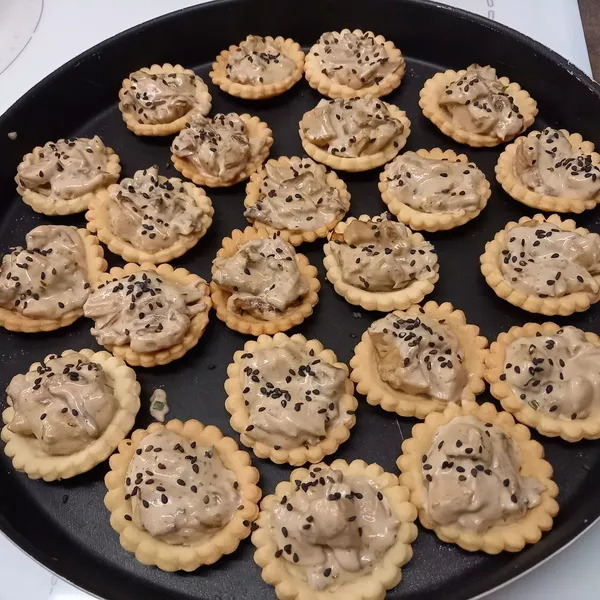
386 121
390 181
496 252
150 550
246 137
119 207
543 408
193 99
318 406
27 451
291 315
539 152
395 299
512 536
469 356
241 69
516 103
390 501
91 268
136 285
270 184
50 184
381 64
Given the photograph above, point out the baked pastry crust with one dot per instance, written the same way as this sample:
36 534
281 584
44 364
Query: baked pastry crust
429 103
380 393
197 326
565 305
266 90
96 267
256 128
25 451
361 163
98 222
571 431
246 323
239 412
157 129
293 236
326 86
514 187
63 206
168 557
383 301
511 537
423 221
287 578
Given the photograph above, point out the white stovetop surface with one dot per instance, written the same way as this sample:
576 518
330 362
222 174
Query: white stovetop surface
30 49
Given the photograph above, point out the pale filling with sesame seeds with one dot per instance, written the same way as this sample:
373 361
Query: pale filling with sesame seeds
296 197
557 375
546 261
292 398
263 278
258 61
477 102
217 147
164 97
419 355
351 128
435 186
66 169
334 527
471 477
143 310
180 491
380 256
152 212
66 404
549 165
356 61
48 278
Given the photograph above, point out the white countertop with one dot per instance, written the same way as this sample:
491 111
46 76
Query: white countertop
30 50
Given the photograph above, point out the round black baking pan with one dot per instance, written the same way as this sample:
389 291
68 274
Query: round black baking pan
64 525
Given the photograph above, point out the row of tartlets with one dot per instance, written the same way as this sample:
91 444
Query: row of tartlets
182 495
260 284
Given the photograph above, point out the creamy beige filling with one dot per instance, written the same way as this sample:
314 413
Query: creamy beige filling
48 277
143 310
66 403
263 278
546 261
218 146
557 375
257 61
180 492
292 398
160 97
549 165
435 186
477 102
380 256
471 477
334 527
297 197
354 61
152 213
419 355
351 128
66 169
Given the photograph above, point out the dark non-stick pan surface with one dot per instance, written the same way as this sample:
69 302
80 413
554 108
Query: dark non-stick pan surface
65 525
